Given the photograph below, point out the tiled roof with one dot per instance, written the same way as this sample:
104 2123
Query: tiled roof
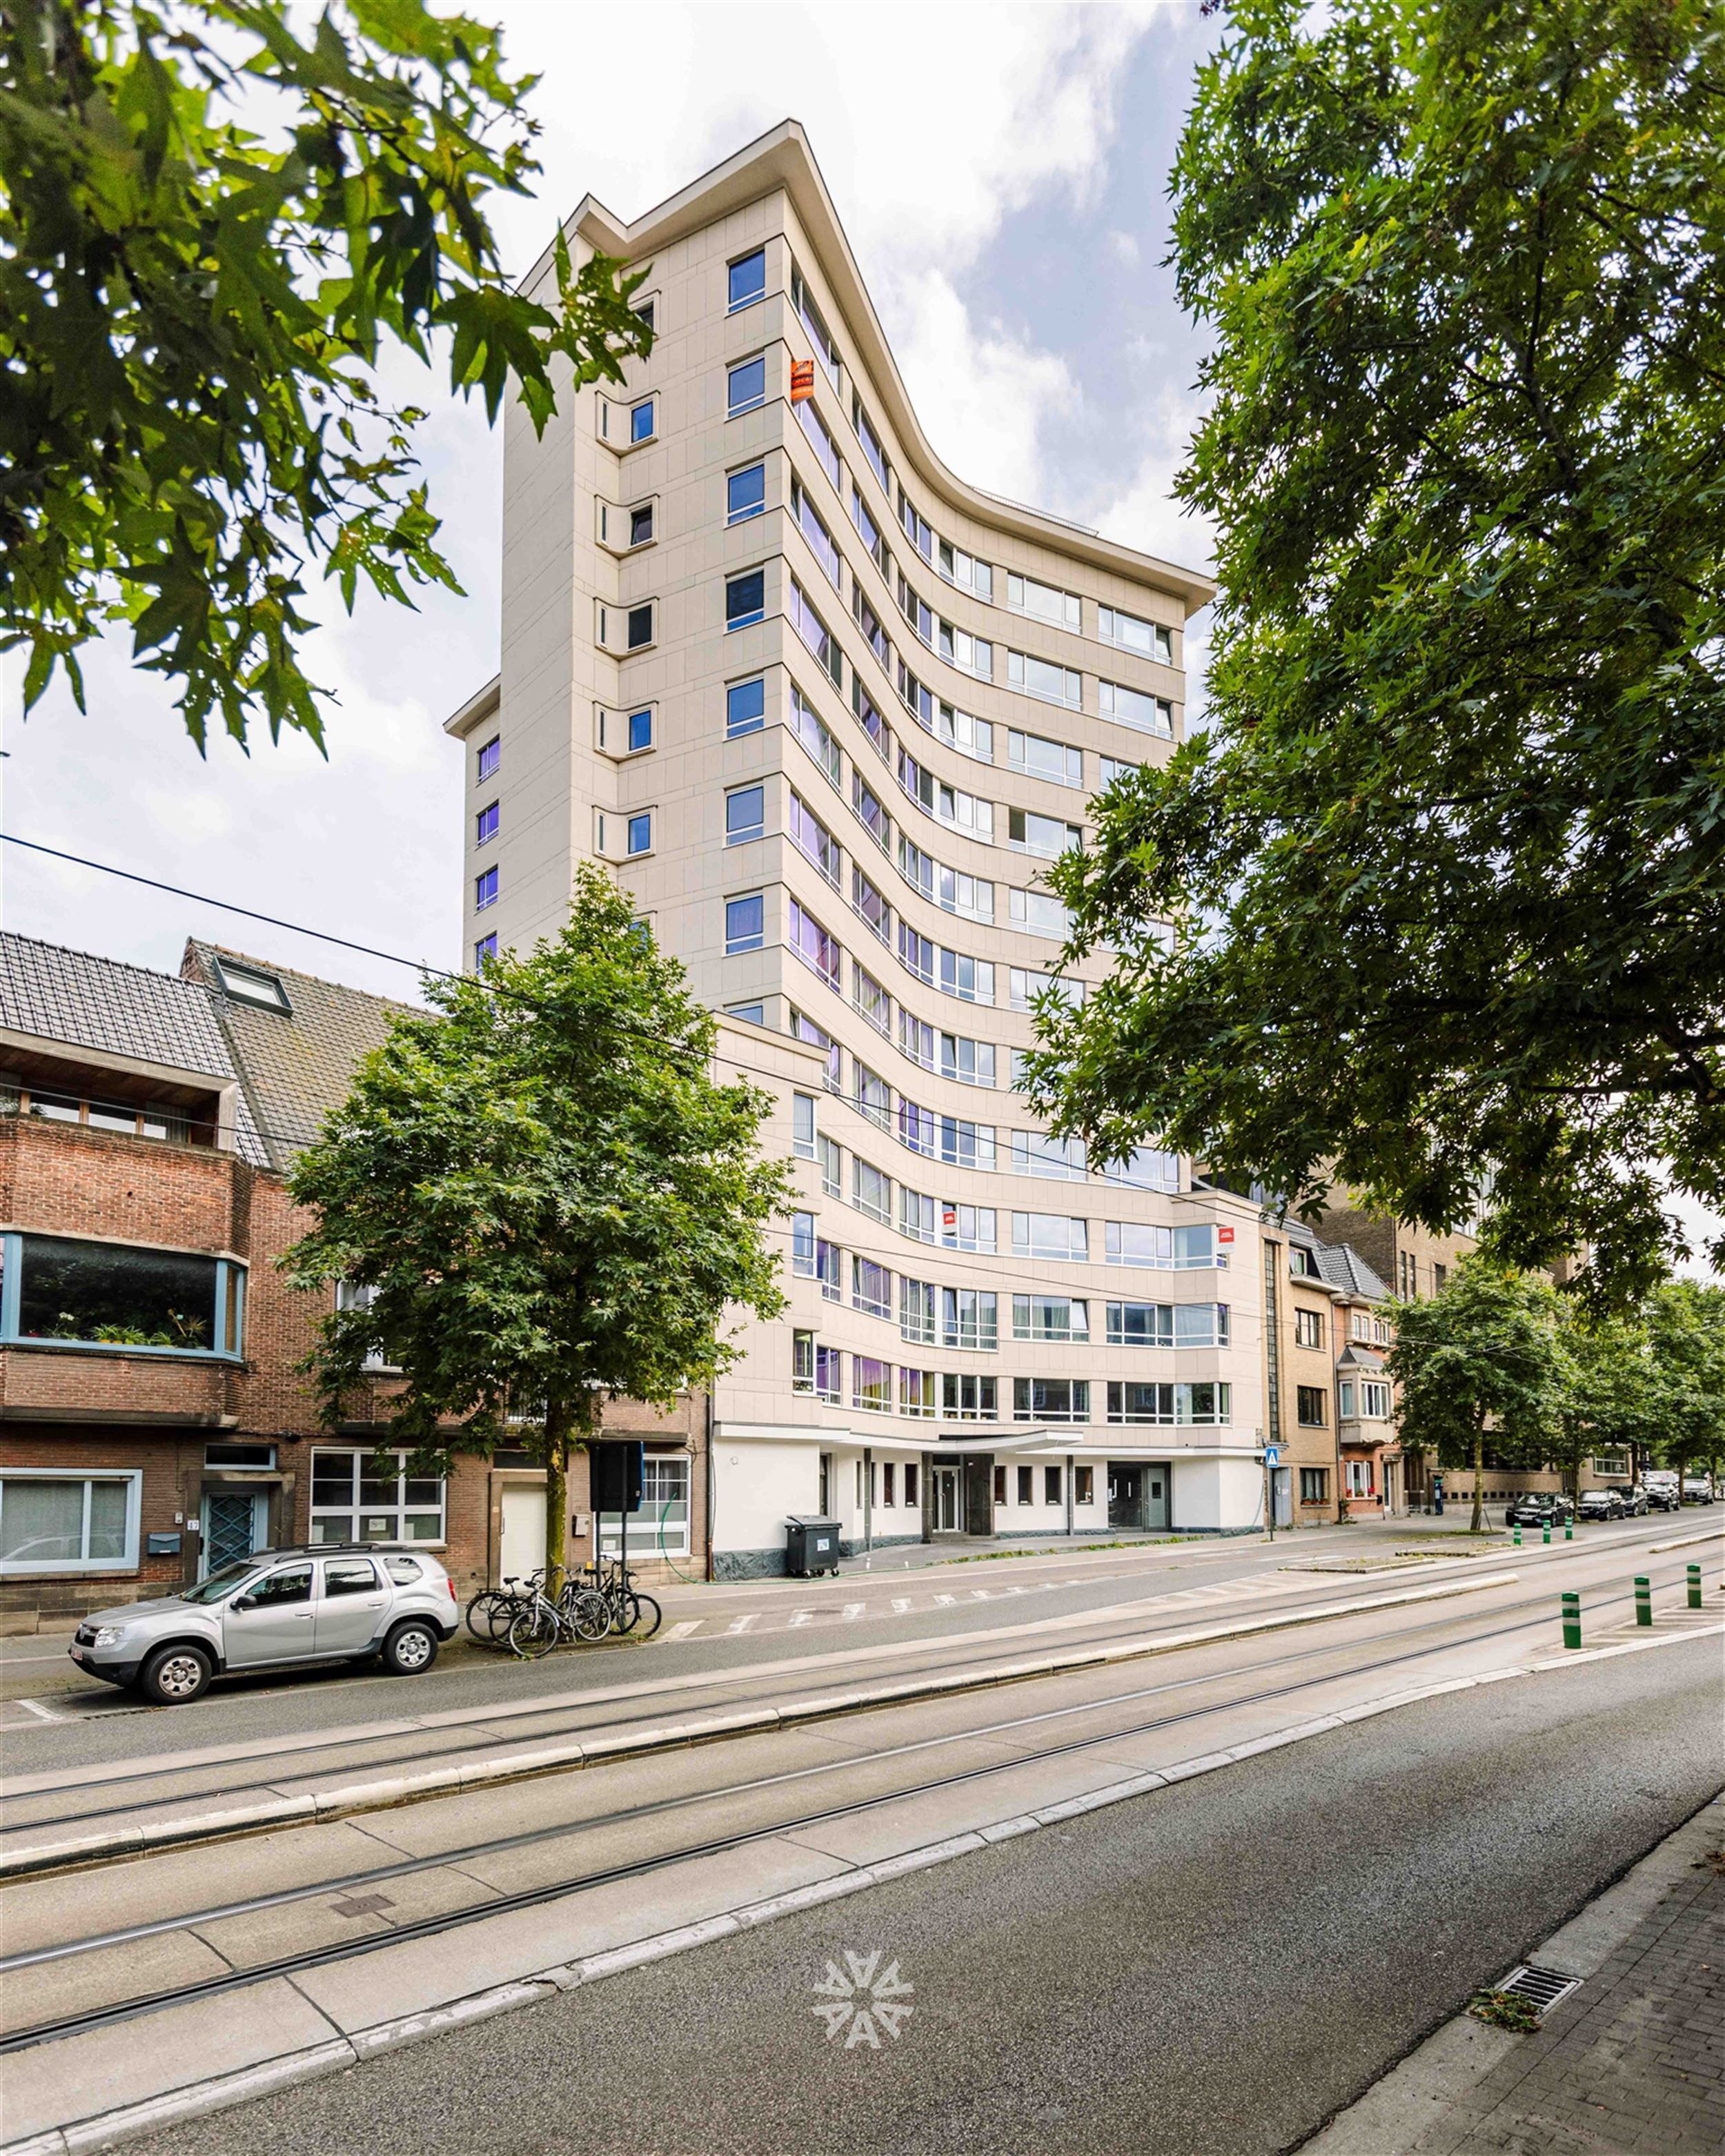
296 1067
73 1000
1338 1264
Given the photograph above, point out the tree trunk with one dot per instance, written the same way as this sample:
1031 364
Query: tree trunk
1478 1520
557 1495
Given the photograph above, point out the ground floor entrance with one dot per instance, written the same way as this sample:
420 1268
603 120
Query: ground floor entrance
235 1522
947 1511
1137 1494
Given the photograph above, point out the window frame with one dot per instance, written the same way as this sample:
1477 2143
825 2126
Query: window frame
363 1457
228 1289
133 1479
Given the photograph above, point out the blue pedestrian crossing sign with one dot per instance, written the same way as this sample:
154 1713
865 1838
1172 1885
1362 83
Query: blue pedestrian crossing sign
1272 1456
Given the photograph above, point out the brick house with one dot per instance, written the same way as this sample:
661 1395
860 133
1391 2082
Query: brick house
153 1420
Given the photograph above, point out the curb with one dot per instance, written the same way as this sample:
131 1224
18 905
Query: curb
527 1760
128 2123
1685 1541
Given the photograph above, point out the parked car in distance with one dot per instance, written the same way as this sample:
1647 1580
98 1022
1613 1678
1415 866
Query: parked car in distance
1634 1500
1535 1511
1663 1497
329 1602
1697 1489
1600 1505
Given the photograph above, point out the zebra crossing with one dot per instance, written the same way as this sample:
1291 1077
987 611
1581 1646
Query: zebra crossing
829 1615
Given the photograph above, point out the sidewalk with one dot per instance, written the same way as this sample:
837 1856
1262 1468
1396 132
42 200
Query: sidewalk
1633 2063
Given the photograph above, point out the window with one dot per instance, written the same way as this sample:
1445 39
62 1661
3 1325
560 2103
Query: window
352 1502
1167 1324
116 1295
820 441
1024 987
803 1027
816 736
1024 1478
1410 1274
349 1575
825 350
869 622
870 1191
873 1095
969 654
744 385
1041 678
915 952
1028 833
1042 601
484 950
648 310
639 833
1042 758
866 899
1314 1485
915 1039
1109 768
489 756
916 529
56 1520
486 825
820 540
640 731
870 1385
745 923
1308 1328
872 999
870 812
754 1013
869 442
868 530
639 633
812 839
971 737
1302 1262
815 633
888 1471
745 707
1359 1477
1039 913
1147 638
745 599
1051 1235
1374 1399
969 1318
958 567
1131 707
968 1227
746 280
814 946
870 1287
966 1144
1205 1404
814 1369
1050 1486
659 1527
916 1311
803 1126
1311 1406
1144 1168
1178 1250
971 980
744 814
745 494
968 1398
643 420
917 1127
1035 1153
868 719
640 524
916 612
1440 1276
971 1062
999 1486
1056 1317
917 699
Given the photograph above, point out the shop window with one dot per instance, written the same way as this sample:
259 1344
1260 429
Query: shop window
364 1497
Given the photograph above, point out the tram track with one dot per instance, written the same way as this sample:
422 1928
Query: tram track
503 1903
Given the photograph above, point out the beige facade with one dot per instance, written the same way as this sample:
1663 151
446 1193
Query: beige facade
928 687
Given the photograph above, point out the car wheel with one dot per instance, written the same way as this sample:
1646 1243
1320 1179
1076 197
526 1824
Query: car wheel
172 1676
409 1648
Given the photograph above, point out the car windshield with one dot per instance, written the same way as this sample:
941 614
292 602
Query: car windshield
221 1584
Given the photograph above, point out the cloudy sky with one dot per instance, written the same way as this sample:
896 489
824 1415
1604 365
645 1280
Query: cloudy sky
1001 171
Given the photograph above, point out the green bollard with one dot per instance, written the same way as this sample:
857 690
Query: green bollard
1568 1531
1644 1599
1572 1620
1548 1534
1518 1538
1694 1587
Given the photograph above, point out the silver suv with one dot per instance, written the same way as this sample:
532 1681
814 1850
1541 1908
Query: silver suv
346 1602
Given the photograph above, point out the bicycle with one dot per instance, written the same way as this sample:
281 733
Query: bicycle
631 1611
579 1614
491 1615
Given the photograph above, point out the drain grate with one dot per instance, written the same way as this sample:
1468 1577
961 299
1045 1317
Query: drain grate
1541 1988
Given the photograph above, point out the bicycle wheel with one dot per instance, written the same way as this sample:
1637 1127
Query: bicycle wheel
482 1613
588 1615
535 1632
642 1616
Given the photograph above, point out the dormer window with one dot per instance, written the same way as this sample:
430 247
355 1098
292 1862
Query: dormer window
250 984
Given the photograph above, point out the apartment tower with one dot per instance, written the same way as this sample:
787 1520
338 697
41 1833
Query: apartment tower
828 711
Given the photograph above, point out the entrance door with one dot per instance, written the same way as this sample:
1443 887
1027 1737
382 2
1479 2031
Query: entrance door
979 1494
522 1541
234 1524
945 1500
1283 1480
1155 1510
1126 1495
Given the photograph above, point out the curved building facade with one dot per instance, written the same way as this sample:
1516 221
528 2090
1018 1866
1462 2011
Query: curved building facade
829 712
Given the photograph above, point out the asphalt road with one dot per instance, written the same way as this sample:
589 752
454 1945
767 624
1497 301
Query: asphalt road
1208 1971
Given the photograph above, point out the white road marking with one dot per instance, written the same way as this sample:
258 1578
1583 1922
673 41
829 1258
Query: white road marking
682 1631
35 1706
853 1610
900 1603
946 1601
980 1594
799 1617
743 1624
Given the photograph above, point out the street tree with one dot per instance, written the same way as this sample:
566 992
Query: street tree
1612 1390
545 1200
1685 1322
1446 868
1480 1362
217 220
